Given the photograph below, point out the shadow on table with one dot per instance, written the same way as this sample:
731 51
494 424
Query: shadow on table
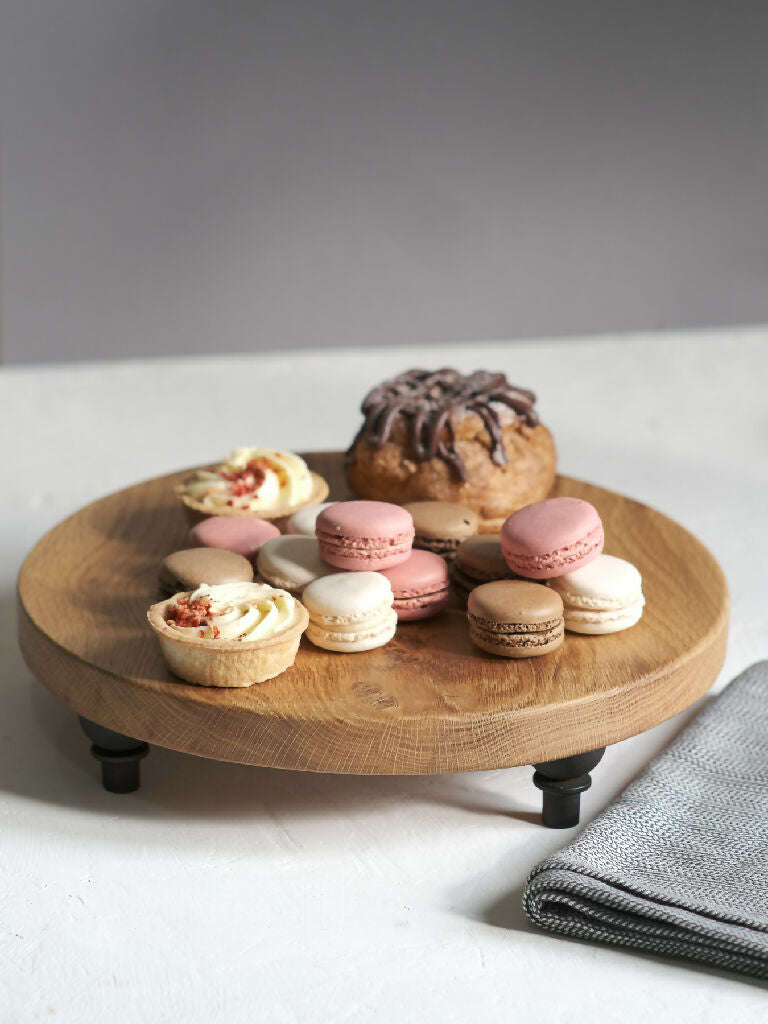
46 757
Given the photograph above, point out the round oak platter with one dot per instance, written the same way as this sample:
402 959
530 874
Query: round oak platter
427 702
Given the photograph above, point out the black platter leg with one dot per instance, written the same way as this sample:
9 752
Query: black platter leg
119 756
562 782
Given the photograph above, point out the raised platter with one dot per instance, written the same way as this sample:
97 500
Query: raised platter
427 702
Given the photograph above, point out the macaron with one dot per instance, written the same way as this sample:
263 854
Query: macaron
420 585
363 535
242 534
604 596
442 525
552 537
187 569
350 612
479 560
515 618
291 562
304 520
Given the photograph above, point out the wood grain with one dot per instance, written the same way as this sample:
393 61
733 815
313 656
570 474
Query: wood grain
427 702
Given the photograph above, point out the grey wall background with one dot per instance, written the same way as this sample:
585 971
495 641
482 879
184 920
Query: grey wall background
182 176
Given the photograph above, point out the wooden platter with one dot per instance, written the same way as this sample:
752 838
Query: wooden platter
428 702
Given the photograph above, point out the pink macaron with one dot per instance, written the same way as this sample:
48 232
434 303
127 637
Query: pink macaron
363 535
241 534
552 537
420 585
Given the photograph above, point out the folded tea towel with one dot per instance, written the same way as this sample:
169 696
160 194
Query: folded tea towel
678 865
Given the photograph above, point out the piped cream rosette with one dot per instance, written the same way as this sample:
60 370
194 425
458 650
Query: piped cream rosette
254 481
233 634
233 611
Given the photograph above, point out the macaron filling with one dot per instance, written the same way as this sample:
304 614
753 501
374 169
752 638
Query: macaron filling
354 620
354 632
412 593
418 606
515 634
356 556
368 545
440 546
518 637
570 554
403 604
633 610
504 628
579 602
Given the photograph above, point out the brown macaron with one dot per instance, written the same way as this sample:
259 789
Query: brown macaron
515 618
187 569
442 525
479 560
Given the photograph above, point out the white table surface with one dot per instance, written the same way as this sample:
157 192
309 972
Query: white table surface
226 893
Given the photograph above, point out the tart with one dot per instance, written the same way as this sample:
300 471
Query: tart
233 634
256 482
442 436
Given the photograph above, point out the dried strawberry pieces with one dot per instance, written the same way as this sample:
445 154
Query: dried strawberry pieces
190 613
193 614
250 479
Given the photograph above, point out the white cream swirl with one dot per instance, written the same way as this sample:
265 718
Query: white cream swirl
252 479
232 611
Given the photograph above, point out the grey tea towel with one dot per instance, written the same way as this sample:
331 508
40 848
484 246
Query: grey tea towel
678 864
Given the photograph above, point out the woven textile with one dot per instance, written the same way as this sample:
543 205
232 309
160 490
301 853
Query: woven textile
678 864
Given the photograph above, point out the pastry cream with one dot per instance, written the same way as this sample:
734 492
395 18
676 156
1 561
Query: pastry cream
253 479
232 611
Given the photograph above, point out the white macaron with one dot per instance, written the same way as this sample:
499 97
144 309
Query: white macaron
350 611
604 596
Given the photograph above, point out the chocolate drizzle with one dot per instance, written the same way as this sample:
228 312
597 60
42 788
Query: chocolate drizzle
429 401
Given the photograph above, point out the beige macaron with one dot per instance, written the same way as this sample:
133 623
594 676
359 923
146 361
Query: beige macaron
187 569
479 560
515 618
442 525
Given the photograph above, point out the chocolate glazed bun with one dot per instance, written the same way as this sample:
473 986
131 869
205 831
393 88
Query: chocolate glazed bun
443 436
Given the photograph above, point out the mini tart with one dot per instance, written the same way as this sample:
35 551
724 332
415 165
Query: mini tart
279 514
226 663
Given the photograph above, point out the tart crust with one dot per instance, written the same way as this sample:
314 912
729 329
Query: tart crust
229 663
